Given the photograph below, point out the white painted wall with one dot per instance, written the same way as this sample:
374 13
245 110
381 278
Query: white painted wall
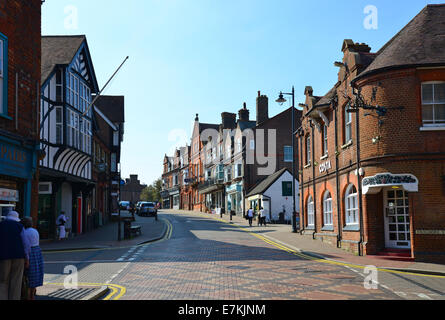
278 201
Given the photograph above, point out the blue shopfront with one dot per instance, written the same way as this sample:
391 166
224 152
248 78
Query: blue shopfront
17 168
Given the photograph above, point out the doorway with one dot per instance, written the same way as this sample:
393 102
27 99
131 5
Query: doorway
397 219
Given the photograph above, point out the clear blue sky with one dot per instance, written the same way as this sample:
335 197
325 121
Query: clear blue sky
210 56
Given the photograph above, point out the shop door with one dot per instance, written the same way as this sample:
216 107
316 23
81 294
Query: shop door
397 220
46 220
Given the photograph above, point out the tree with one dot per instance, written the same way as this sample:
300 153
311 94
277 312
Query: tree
153 192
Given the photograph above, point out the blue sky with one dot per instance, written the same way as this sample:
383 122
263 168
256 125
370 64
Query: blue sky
210 56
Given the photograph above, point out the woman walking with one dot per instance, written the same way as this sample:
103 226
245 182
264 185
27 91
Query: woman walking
35 272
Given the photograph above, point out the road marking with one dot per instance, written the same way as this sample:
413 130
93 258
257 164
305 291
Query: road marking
115 289
324 260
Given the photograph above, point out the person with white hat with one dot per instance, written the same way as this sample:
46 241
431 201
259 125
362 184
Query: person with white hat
14 256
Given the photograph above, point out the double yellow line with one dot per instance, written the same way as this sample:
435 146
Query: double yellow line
307 257
116 293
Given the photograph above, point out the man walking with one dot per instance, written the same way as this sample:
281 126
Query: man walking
250 216
14 257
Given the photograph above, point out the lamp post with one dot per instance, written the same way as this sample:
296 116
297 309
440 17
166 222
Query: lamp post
281 100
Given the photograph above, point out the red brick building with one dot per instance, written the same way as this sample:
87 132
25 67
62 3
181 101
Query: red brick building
20 55
372 176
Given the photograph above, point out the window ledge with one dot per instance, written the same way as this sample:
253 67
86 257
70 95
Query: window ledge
352 228
434 128
311 228
345 146
307 166
324 157
328 228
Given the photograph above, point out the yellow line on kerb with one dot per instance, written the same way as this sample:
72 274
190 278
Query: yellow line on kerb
115 289
307 257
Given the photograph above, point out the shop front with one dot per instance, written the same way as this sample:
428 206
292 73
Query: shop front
234 198
394 193
17 167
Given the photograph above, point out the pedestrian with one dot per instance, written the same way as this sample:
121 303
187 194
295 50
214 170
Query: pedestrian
35 271
250 216
61 221
263 217
14 257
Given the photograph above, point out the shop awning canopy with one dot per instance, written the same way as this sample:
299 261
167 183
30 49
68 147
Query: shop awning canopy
407 182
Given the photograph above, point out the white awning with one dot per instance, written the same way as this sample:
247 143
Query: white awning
373 185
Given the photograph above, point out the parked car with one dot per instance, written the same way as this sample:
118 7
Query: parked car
125 205
148 209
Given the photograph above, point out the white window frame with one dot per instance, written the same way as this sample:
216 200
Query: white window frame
59 125
433 103
328 219
348 125
351 206
325 140
310 212
308 150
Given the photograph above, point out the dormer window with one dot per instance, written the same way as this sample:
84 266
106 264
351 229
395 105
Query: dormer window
433 104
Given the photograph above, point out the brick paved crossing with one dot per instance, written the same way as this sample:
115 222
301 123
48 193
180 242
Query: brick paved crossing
211 260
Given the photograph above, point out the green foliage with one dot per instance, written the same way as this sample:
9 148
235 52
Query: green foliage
153 192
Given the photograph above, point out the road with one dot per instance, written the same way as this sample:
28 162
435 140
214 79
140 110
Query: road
205 259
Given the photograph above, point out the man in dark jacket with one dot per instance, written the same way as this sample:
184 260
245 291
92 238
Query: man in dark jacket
14 257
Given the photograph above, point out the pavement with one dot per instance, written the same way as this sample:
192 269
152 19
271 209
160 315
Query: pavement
105 237
316 248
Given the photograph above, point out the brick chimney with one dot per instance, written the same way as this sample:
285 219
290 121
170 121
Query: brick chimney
244 113
262 108
228 120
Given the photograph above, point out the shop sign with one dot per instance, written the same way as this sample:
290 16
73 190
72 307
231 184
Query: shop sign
325 166
15 161
407 181
9 195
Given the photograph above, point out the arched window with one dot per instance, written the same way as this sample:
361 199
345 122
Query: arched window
327 209
351 206
310 212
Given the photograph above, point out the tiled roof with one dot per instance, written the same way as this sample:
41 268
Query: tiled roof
266 183
113 107
421 42
58 50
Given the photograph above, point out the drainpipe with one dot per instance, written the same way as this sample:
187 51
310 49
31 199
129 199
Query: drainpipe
359 179
337 176
301 183
313 179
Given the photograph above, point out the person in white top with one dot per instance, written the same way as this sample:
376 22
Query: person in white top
250 216
263 217
61 221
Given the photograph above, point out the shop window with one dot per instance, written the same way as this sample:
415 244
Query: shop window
351 206
310 212
327 209
433 104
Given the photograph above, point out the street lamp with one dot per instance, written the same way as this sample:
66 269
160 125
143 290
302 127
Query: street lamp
281 100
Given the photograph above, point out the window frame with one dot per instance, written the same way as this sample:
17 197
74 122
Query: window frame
288 154
348 210
347 124
308 150
328 217
325 143
310 206
433 103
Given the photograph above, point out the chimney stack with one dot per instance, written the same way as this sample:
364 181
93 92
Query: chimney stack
244 113
262 108
228 120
